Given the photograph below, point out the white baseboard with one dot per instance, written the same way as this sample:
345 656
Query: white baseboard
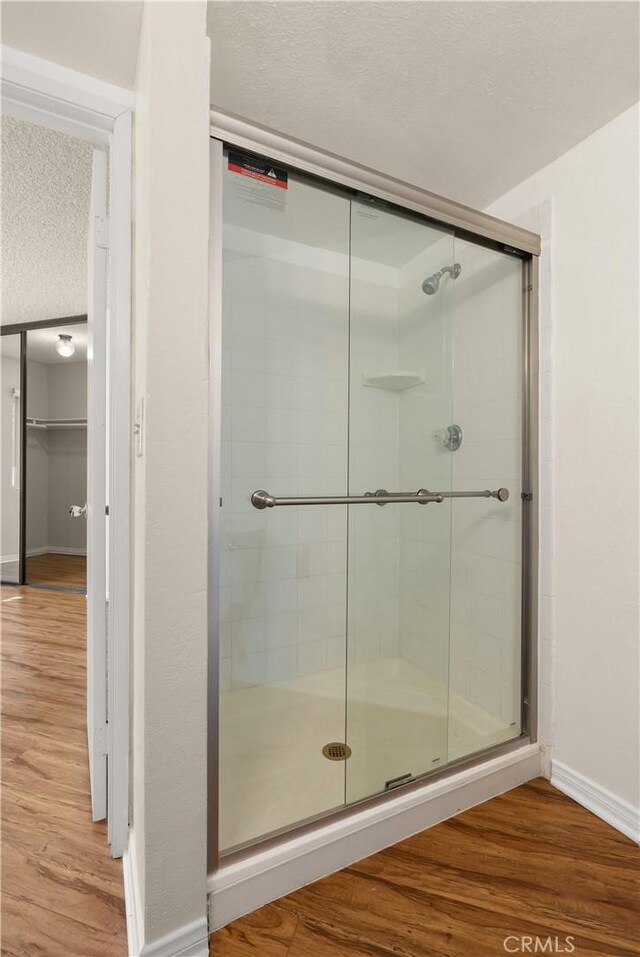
56 550
45 550
242 886
619 814
191 940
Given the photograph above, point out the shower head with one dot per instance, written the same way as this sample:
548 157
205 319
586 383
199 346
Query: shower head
432 283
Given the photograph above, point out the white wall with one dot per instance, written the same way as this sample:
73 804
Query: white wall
67 455
592 393
37 395
56 458
168 840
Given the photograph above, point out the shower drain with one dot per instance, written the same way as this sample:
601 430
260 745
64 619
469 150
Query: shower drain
336 751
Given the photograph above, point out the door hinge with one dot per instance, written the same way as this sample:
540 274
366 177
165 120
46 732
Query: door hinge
101 231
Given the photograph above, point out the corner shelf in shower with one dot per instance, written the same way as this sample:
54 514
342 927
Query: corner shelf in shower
394 381
34 423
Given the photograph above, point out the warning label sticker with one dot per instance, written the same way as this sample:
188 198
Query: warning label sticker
258 169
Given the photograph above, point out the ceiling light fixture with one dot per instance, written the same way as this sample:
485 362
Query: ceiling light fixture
64 346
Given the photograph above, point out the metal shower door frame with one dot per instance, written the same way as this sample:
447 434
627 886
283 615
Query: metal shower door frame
231 131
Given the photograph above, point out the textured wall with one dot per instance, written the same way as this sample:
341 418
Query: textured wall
590 567
171 266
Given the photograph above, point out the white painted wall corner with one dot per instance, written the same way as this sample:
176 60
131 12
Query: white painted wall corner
619 814
192 940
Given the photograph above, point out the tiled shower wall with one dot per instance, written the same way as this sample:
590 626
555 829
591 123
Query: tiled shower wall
467 340
486 543
285 404
298 406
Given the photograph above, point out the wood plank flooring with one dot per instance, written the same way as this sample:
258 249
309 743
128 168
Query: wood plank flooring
61 570
62 894
528 864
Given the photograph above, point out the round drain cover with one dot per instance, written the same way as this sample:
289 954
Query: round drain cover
336 751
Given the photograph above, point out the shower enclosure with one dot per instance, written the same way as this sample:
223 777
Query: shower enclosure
372 484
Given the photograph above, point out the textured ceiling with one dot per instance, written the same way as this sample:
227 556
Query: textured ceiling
46 184
98 37
463 98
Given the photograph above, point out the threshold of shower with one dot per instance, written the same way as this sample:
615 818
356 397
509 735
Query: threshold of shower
257 875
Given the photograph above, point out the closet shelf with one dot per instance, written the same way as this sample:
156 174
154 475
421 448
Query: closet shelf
34 423
394 381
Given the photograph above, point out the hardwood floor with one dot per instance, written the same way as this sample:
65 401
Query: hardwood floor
530 863
65 571
62 894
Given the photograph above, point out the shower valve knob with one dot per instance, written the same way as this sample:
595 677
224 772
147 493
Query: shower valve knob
449 438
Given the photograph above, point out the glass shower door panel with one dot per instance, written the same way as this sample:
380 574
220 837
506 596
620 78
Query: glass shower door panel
485 688
399 554
284 429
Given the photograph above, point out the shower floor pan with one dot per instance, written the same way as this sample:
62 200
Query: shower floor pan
273 773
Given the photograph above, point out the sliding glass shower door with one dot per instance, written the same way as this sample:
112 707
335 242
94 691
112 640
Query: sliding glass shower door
369 555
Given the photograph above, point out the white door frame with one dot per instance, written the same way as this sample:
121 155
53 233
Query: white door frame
97 289
53 96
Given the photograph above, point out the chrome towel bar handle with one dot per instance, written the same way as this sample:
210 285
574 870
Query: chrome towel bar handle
261 499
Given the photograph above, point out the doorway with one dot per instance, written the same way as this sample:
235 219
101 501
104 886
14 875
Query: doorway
44 413
54 408
56 459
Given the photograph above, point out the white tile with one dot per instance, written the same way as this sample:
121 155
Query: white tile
282 357
280 562
225 640
511 621
248 389
312 623
486 614
282 426
336 615
247 565
312 592
282 596
282 391
336 652
282 526
248 600
312 524
248 636
311 657
281 664
282 629
225 675
249 670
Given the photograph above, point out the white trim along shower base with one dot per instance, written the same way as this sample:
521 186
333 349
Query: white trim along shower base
242 886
